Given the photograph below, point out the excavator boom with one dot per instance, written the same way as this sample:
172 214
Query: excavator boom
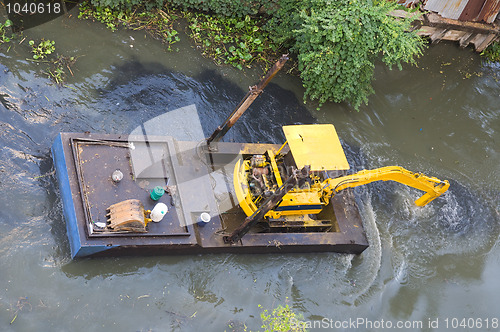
431 185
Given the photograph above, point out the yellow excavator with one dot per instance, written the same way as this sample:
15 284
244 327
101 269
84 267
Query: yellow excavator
290 187
316 151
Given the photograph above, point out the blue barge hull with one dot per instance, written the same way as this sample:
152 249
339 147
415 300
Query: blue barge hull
196 181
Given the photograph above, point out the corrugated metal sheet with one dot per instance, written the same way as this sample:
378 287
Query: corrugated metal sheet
447 8
486 11
465 10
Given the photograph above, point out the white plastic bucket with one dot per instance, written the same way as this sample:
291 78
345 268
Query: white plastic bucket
158 212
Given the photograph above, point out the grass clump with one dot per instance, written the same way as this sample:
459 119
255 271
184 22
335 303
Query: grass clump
492 52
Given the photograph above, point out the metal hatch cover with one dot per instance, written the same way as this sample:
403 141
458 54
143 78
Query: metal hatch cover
316 145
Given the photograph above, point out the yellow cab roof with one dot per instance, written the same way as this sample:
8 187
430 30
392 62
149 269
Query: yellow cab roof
316 145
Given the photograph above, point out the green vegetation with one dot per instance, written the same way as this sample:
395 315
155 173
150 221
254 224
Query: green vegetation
44 52
281 319
105 15
4 37
336 43
492 53
234 41
157 22
42 49
227 8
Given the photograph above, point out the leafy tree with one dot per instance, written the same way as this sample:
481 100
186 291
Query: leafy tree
339 41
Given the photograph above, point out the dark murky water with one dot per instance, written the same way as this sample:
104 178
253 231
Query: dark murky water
438 262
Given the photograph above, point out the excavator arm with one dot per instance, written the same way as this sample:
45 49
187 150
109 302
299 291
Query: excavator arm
431 185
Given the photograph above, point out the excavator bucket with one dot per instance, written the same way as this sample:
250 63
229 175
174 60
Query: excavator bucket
126 216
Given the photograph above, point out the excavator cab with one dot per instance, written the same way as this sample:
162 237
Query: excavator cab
257 177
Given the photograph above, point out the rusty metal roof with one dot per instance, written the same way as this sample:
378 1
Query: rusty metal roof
447 8
487 12
465 10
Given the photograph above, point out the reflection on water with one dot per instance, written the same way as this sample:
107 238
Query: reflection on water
441 118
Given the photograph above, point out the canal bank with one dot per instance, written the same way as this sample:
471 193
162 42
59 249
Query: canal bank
441 117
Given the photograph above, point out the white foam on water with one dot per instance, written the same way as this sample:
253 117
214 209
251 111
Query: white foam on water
371 258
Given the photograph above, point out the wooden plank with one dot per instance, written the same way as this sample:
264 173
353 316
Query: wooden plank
438 28
477 39
434 19
438 35
404 14
453 35
482 46
426 31
465 40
